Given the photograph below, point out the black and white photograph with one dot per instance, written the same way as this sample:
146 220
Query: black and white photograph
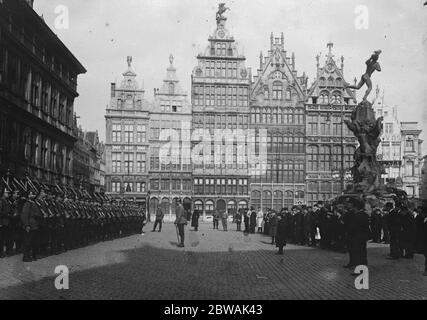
225 152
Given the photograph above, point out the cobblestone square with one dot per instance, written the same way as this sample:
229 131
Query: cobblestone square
214 265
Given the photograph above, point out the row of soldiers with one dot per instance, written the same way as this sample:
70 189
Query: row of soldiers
43 222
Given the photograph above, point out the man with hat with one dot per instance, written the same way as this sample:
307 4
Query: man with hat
30 218
356 224
180 222
5 212
15 227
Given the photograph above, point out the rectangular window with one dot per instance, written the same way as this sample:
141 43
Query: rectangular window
140 162
165 185
176 184
154 184
128 187
117 132
128 133
141 134
154 158
140 187
409 145
116 162
35 90
129 162
115 187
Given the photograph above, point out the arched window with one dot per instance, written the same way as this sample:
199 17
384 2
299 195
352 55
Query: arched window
243 204
336 98
154 203
324 98
209 208
171 88
198 205
267 200
288 94
277 90
165 206
232 207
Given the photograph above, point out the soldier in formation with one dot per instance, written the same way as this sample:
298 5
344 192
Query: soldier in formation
38 220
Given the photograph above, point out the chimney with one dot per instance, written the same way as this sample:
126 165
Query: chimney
113 90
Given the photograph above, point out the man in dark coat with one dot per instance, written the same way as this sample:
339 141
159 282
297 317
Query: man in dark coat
238 219
17 203
408 232
394 224
30 218
356 223
273 227
299 226
5 213
322 213
246 217
180 222
421 235
159 219
252 220
216 217
376 225
281 234
195 220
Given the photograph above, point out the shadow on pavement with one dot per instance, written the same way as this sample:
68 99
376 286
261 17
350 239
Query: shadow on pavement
152 273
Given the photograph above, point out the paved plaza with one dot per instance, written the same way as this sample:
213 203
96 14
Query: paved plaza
215 265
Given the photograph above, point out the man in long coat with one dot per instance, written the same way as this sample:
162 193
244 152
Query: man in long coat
195 220
180 222
252 220
281 234
356 223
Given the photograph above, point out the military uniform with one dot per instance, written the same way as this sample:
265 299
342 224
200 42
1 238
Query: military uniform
5 213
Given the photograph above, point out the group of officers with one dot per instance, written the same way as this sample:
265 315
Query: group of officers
347 227
44 221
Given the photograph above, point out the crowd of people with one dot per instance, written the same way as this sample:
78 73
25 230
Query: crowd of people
345 227
43 222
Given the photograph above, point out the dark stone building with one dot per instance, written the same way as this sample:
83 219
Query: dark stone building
220 103
330 145
277 106
38 85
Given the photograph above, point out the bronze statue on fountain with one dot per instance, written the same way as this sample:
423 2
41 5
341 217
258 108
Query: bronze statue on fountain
366 170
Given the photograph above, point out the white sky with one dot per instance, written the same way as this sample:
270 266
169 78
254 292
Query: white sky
103 33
